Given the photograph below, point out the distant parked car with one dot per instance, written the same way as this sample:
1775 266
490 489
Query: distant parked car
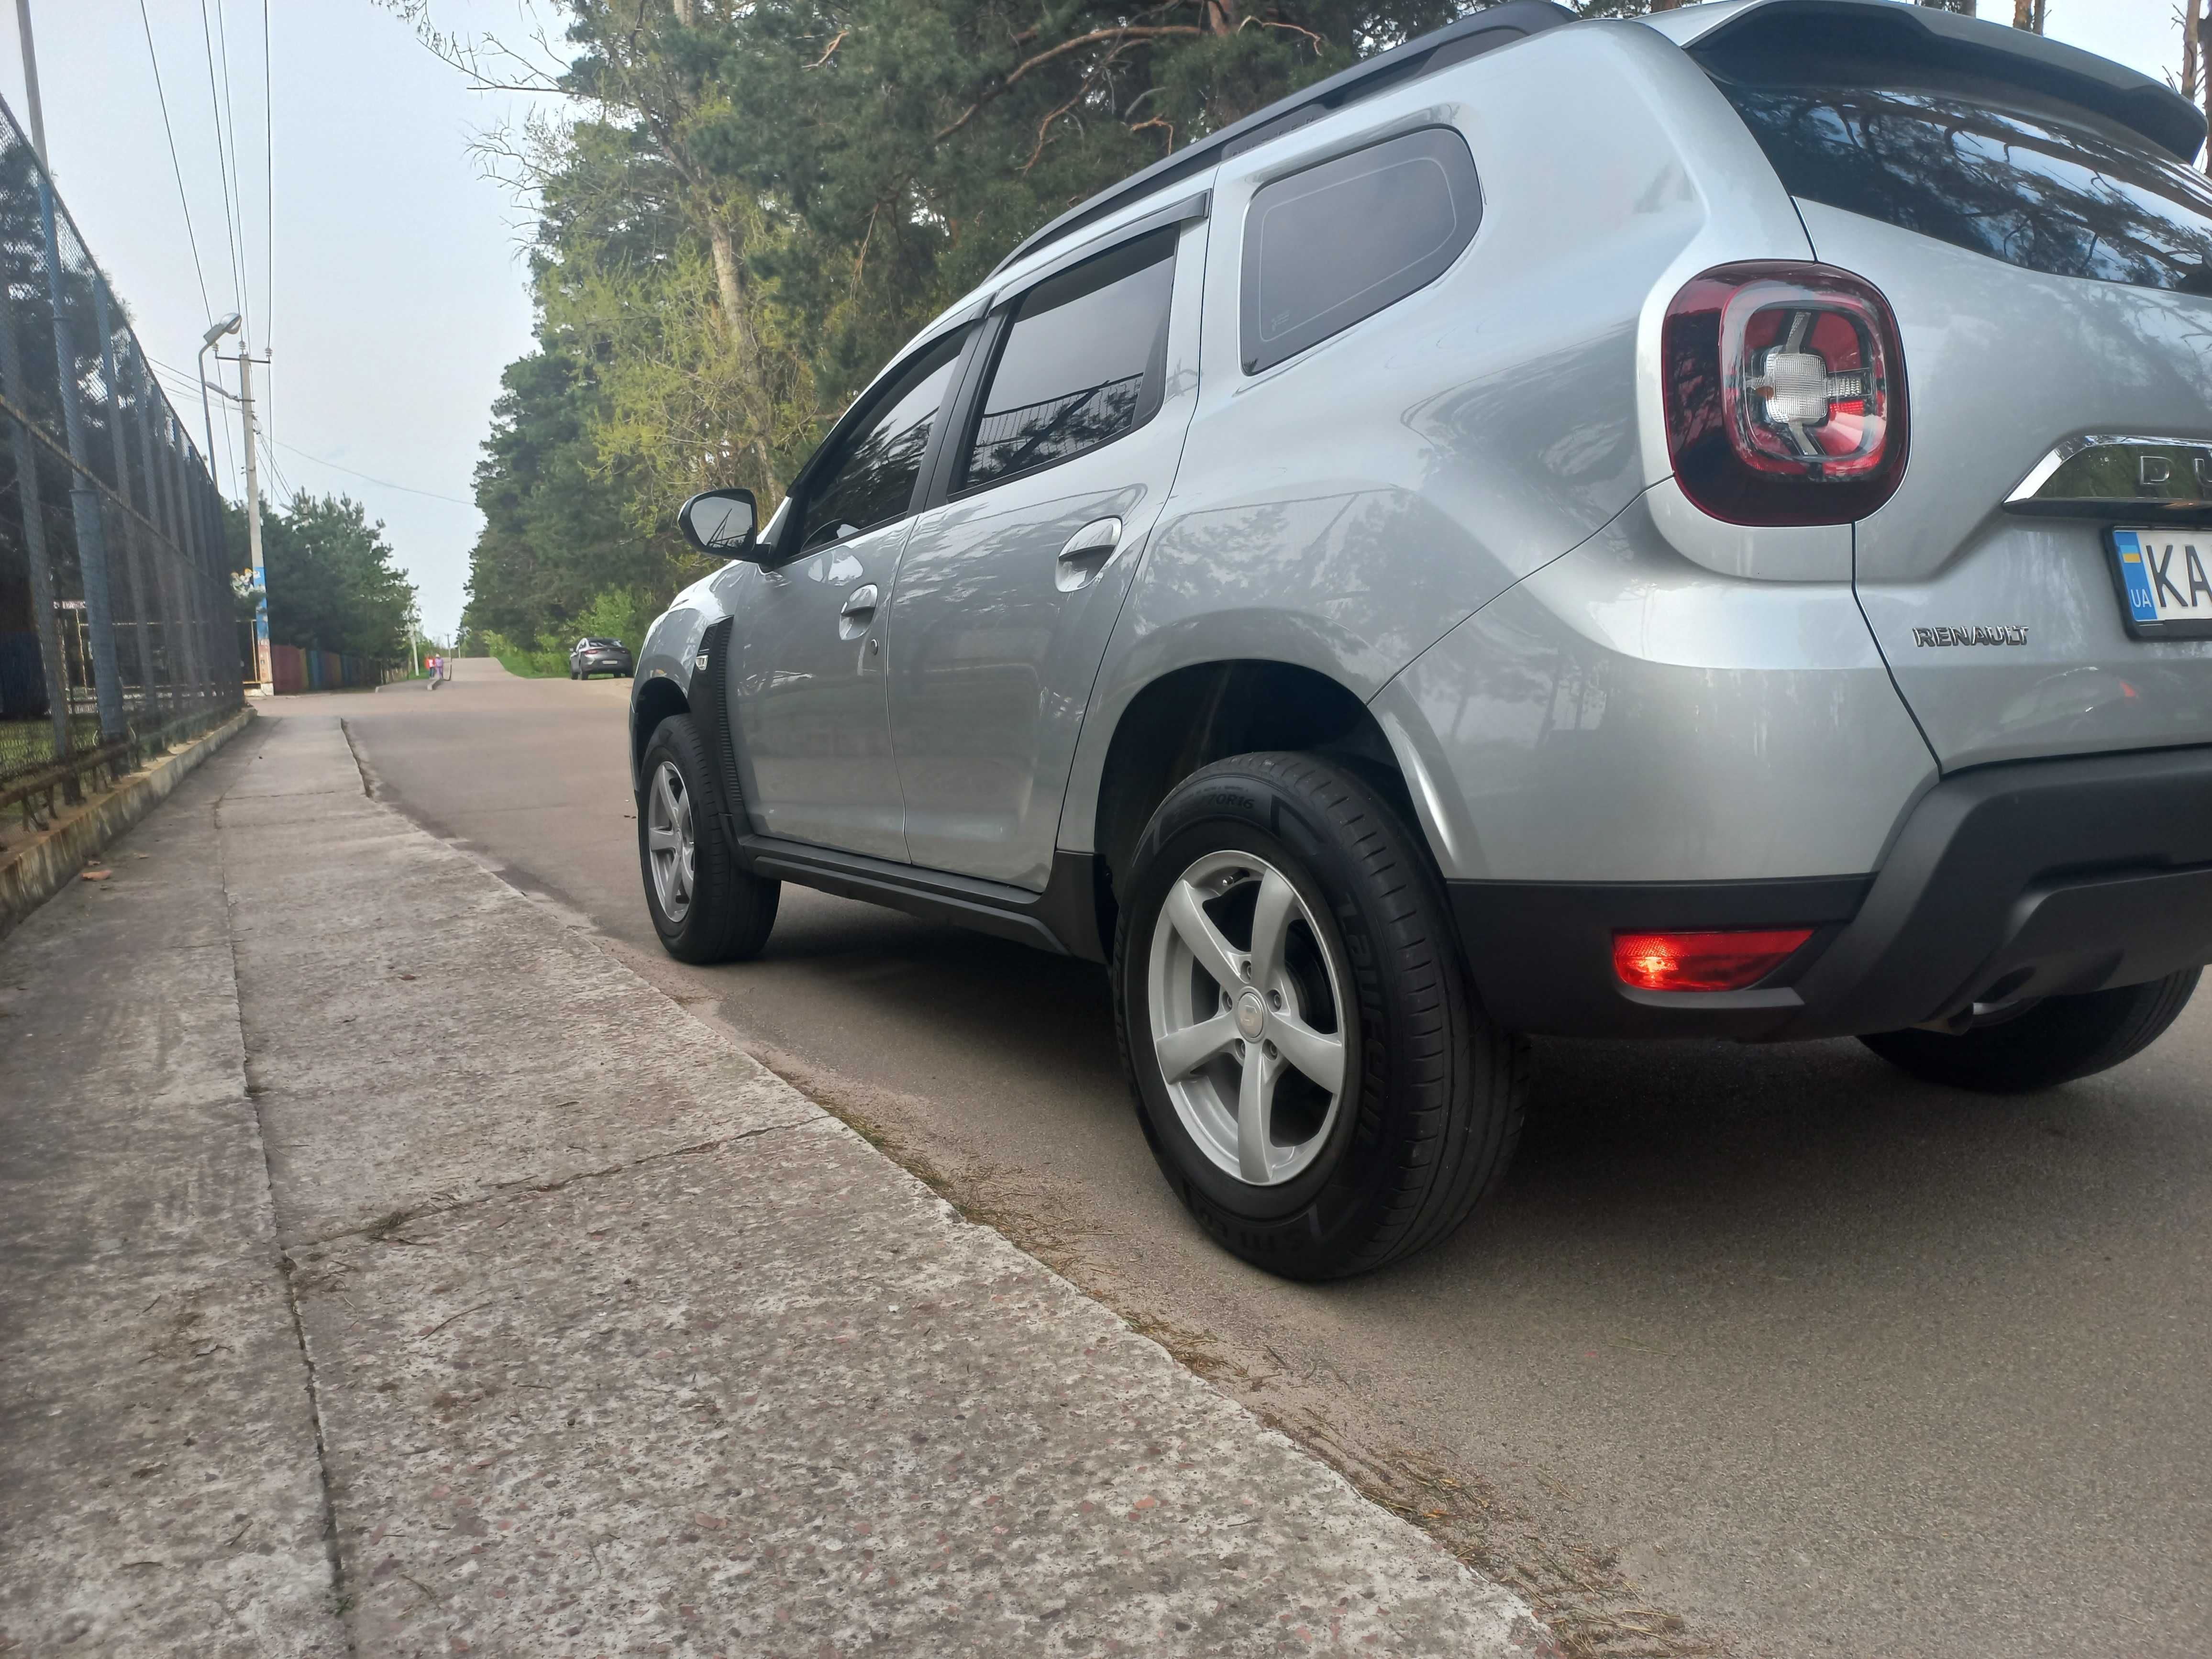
1438 560
591 656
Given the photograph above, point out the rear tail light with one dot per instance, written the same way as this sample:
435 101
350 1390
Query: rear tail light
1733 959
1784 393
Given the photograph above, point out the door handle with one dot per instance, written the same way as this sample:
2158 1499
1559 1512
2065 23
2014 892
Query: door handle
857 612
1086 555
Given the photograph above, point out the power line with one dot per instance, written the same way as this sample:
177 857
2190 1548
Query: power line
222 166
189 384
268 184
386 482
290 491
230 123
176 167
184 382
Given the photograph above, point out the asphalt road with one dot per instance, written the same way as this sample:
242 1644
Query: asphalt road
1762 1351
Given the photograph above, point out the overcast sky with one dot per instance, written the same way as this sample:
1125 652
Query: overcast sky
398 291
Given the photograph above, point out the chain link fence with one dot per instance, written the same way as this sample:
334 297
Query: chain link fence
118 632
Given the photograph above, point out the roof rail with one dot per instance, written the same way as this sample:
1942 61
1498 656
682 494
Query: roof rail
1478 32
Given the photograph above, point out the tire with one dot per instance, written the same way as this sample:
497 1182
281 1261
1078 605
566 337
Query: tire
714 911
2054 1040
1430 1094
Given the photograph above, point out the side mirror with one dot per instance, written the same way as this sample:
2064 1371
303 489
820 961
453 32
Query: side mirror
720 522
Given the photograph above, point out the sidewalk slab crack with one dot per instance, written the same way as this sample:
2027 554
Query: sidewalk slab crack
385 1230
341 1599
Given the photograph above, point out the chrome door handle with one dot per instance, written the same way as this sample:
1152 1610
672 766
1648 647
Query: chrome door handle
857 612
1086 555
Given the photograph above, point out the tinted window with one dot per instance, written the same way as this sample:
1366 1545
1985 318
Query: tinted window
1082 363
872 482
1329 247
2031 181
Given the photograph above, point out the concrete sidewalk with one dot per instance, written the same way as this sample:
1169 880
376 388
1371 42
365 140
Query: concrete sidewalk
385 1268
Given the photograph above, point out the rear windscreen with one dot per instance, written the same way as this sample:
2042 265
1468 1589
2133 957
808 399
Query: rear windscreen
2033 181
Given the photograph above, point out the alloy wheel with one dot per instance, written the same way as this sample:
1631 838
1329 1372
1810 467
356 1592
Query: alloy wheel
670 847
1249 1025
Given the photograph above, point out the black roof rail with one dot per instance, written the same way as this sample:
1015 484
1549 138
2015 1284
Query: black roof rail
1478 32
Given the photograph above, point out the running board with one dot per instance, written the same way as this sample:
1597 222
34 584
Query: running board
1063 919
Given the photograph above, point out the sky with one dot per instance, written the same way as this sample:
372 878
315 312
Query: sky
394 289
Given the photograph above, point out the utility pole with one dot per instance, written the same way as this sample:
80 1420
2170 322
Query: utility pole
262 666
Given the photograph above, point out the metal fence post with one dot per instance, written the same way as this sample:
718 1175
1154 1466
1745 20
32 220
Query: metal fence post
222 610
25 450
164 583
186 536
220 614
130 538
84 499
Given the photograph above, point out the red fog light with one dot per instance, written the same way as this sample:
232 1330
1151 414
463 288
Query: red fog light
1722 961
1784 394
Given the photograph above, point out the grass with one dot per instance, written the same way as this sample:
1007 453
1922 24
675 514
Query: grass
522 660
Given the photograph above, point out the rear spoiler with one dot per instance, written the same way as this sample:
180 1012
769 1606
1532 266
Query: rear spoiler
1777 35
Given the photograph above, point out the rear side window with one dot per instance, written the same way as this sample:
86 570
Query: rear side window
1329 246
1082 363
2028 179
872 481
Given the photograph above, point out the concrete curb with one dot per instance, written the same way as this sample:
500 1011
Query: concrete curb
42 866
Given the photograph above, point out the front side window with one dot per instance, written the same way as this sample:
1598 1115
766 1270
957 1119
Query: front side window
872 480
2030 181
1082 363
1333 245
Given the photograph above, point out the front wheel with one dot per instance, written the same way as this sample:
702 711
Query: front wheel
706 907
2053 1042
1310 1067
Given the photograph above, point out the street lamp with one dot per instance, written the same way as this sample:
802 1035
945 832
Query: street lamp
228 326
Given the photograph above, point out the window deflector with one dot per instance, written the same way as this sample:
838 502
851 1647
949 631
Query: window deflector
789 518
1166 227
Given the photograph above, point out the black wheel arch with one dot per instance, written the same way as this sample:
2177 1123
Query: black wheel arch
656 700
1194 716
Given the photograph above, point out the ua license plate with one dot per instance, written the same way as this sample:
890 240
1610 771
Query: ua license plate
2166 583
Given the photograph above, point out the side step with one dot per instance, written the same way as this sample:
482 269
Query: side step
1063 919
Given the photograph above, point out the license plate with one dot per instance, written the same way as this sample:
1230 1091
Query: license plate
2166 581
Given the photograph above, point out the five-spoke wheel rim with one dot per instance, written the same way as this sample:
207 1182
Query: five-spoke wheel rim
669 849
1248 1018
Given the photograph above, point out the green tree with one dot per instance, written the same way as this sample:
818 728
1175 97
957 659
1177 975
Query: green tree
757 201
333 586
554 532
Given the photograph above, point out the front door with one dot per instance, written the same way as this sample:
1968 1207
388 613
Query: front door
1008 592
815 749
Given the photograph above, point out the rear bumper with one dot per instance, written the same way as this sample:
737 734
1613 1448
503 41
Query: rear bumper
2036 878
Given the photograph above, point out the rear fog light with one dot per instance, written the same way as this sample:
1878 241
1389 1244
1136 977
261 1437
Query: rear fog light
1730 959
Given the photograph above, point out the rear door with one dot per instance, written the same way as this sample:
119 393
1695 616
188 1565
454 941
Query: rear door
2050 270
1006 591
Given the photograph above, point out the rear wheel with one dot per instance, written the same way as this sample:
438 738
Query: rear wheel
1310 1067
2053 1041
705 906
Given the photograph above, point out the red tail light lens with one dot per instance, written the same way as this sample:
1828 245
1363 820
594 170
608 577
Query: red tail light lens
1730 960
1784 394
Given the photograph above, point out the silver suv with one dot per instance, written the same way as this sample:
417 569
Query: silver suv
1658 528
